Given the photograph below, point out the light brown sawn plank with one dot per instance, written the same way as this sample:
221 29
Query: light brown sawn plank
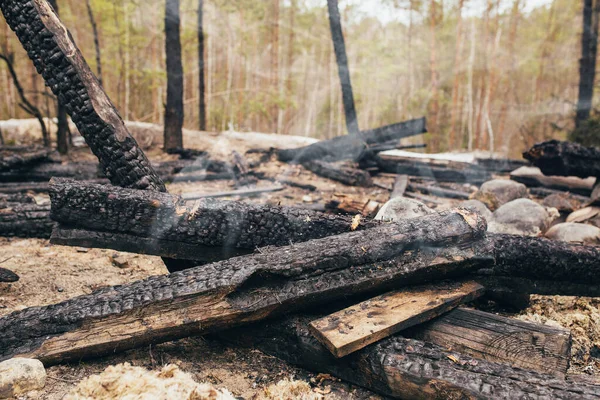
356 327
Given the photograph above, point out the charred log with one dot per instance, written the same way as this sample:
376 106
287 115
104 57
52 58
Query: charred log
244 289
340 173
20 159
440 173
7 276
25 220
565 159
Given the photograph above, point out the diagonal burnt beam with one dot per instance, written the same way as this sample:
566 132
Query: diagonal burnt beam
245 289
56 57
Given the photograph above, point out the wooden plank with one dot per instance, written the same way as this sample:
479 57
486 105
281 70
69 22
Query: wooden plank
499 339
356 327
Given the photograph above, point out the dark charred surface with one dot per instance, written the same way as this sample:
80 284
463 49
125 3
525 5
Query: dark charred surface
25 220
8 276
352 147
544 259
256 286
346 175
470 174
9 160
57 59
209 222
565 159
407 368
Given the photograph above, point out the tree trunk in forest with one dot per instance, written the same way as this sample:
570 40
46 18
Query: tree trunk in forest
201 84
96 39
457 74
51 47
339 47
434 103
62 129
587 63
245 289
173 130
275 64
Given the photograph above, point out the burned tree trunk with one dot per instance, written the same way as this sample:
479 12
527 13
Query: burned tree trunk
56 57
587 63
173 134
407 368
201 84
565 159
339 46
172 229
22 159
352 147
25 220
244 289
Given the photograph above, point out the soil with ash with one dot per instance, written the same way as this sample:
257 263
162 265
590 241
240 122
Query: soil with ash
50 274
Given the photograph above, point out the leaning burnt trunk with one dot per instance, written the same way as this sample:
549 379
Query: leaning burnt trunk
57 58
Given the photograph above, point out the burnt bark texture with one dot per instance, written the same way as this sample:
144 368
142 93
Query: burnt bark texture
201 82
587 63
61 64
340 173
173 134
25 220
565 159
543 259
339 47
438 191
208 222
353 147
244 289
407 368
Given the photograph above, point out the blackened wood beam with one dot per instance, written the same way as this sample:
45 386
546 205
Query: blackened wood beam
245 289
56 57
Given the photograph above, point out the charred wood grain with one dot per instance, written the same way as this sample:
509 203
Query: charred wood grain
405 368
565 159
244 289
471 174
56 57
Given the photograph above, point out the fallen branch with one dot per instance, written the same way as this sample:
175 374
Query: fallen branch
25 220
20 159
7 276
346 175
437 172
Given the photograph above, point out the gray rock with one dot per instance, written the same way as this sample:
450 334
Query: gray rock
498 192
563 202
478 206
21 375
401 208
522 217
573 232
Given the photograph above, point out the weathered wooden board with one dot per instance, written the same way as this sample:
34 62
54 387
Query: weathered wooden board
499 339
356 327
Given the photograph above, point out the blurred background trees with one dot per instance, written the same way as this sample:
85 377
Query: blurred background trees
488 74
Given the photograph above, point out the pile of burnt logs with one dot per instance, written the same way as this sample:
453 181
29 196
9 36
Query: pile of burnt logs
386 293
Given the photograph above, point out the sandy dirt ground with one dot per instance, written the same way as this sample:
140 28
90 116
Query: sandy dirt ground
51 274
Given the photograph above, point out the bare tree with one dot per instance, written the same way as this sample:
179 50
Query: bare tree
587 64
339 47
173 135
201 84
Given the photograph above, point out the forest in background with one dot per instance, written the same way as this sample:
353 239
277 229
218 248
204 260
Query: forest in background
499 79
